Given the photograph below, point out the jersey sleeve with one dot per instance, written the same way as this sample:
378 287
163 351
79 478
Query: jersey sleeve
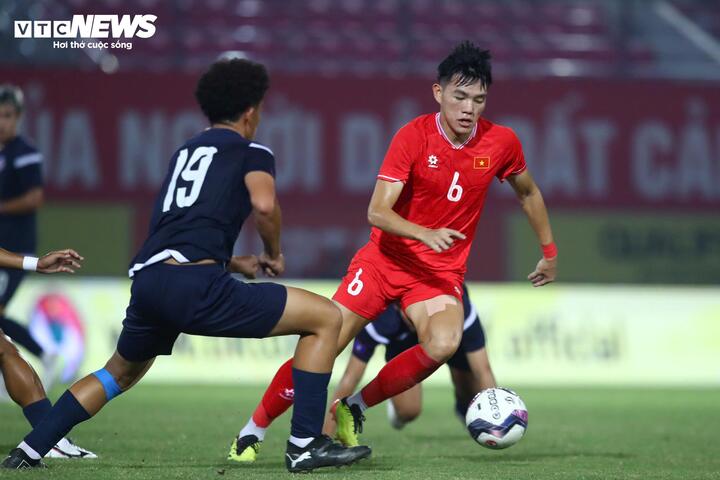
513 161
28 170
364 346
399 158
259 158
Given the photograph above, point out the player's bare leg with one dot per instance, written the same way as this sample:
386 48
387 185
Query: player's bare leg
91 391
405 407
317 320
79 403
21 382
352 323
439 323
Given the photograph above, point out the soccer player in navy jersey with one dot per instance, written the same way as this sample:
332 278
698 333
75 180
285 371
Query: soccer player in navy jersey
21 194
182 282
21 382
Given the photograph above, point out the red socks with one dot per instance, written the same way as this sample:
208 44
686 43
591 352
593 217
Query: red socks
402 372
278 397
407 369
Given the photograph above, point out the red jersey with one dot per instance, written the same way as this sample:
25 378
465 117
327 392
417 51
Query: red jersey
445 186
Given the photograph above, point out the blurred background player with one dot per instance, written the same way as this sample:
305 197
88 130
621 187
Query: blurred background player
21 194
470 370
469 367
181 282
19 378
421 237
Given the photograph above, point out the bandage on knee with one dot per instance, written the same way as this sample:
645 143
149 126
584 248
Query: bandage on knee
439 304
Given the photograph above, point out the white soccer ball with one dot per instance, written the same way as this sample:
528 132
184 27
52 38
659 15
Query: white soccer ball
497 418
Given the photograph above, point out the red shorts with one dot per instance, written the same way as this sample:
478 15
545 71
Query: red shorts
374 280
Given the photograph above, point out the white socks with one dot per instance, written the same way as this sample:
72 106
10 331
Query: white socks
252 429
301 442
356 399
29 451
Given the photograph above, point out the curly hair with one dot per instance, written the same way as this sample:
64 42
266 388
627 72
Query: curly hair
469 63
230 87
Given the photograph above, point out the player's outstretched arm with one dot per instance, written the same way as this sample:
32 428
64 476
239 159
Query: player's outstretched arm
481 372
533 205
382 216
351 378
268 218
10 260
54 262
66 261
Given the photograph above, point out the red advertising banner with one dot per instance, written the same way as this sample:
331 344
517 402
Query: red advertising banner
595 146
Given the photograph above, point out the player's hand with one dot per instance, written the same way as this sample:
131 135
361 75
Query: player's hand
272 266
247 265
441 239
544 273
60 261
330 425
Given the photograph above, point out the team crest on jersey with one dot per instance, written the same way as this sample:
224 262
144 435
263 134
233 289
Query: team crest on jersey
481 163
433 161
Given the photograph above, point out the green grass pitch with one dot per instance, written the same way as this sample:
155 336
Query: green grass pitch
183 432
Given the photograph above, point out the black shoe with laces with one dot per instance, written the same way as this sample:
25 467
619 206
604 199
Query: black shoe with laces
17 459
322 452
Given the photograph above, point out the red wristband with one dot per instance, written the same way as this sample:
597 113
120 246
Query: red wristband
549 250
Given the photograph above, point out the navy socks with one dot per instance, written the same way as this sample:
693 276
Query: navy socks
35 412
66 413
309 403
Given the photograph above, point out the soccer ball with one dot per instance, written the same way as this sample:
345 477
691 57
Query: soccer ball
497 418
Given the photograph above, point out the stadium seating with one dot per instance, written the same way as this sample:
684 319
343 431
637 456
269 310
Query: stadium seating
370 37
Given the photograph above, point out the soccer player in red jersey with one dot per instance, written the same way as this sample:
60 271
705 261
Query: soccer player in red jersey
428 198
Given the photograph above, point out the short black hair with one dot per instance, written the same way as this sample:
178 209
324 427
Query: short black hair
230 87
13 95
467 61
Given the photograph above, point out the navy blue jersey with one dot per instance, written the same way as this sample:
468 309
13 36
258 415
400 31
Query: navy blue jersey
390 330
203 201
20 171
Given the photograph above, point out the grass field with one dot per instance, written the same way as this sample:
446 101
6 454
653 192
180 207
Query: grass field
183 432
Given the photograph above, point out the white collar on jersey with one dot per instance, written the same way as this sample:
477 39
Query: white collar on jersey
442 132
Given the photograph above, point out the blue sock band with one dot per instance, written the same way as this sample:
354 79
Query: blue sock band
112 389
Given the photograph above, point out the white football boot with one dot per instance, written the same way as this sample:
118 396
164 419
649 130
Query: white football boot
65 448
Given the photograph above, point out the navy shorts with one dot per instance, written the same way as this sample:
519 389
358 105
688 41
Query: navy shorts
9 281
473 339
205 300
